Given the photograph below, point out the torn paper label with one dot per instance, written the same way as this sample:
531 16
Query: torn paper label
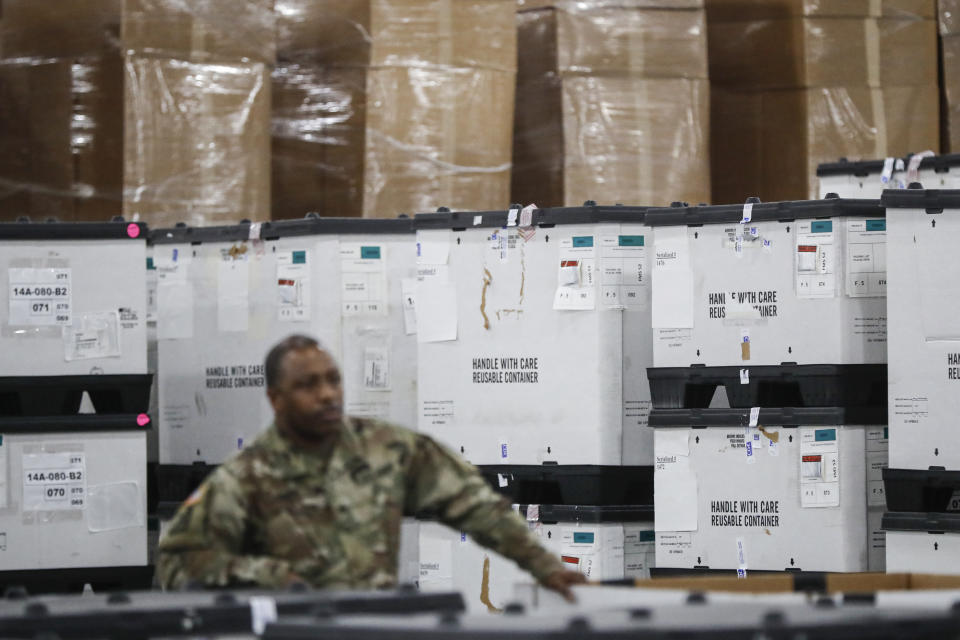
408 287
54 481
293 286
671 449
233 294
40 297
376 368
363 273
92 335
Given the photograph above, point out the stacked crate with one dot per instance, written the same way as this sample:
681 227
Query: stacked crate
923 480
781 308
533 331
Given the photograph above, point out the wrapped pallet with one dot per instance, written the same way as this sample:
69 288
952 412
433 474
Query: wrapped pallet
598 83
854 79
393 106
950 50
197 110
61 120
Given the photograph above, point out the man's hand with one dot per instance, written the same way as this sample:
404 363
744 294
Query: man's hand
561 581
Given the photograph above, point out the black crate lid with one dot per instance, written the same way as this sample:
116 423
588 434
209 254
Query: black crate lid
932 200
550 513
861 168
281 229
587 214
117 230
785 416
763 212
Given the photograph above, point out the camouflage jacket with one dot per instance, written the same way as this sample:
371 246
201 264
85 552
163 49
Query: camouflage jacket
333 518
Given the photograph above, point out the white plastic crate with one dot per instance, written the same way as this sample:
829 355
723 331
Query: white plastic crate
920 551
72 499
452 560
227 294
767 497
73 300
534 335
868 178
764 284
924 351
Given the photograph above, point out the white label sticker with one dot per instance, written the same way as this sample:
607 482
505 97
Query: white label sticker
263 611
744 376
819 467
866 258
363 275
477 220
754 416
54 481
293 286
747 213
376 369
40 297
92 335
512 217
816 259
576 290
624 277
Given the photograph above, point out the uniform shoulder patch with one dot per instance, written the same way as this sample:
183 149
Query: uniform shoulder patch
196 496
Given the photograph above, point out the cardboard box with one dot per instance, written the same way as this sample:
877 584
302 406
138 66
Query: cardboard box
461 33
819 52
754 129
649 43
197 148
951 92
603 138
62 125
60 28
377 142
737 10
200 31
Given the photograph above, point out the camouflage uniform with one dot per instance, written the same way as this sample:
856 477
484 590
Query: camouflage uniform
333 517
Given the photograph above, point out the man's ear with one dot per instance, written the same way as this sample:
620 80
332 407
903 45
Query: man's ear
274 396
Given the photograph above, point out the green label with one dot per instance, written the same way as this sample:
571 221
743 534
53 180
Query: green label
370 253
631 241
886 433
825 435
821 226
299 257
150 264
583 241
647 536
876 225
583 537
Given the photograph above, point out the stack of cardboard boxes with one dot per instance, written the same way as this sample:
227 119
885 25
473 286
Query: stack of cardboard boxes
197 110
61 110
392 106
800 82
612 102
950 47
155 109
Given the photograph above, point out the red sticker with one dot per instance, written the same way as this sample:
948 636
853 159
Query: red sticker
133 230
570 559
811 458
143 419
807 248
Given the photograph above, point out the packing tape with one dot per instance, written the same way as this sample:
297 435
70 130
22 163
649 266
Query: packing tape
913 167
477 220
876 8
749 445
744 344
263 611
754 416
636 51
512 217
644 111
744 376
880 122
741 558
871 36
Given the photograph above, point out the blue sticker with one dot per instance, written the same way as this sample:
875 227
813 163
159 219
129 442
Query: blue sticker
630 241
583 537
503 450
825 435
150 264
463 537
886 433
299 257
647 536
876 225
175 252
821 226
583 241
370 253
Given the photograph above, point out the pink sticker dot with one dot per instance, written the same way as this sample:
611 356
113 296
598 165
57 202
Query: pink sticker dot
133 230
143 419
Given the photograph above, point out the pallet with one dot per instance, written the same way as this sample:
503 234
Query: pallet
785 385
592 485
62 395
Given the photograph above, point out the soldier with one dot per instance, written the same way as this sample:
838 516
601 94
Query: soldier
319 497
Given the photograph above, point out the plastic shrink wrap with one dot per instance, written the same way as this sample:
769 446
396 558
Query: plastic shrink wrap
950 50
